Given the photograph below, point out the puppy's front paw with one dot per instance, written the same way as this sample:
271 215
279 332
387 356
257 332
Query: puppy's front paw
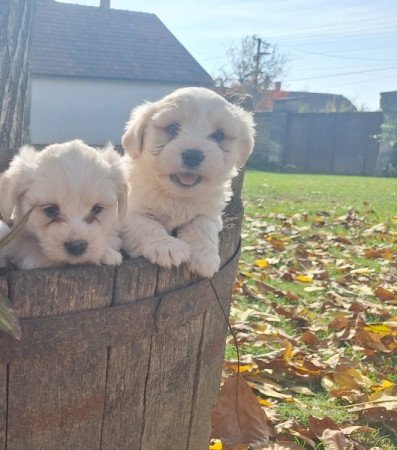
167 252
205 263
112 257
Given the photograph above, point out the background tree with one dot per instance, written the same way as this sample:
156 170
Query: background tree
16 24
254 66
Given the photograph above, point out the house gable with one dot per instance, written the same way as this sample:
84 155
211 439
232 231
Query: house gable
85 41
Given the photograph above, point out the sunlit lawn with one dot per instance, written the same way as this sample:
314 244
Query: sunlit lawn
316 250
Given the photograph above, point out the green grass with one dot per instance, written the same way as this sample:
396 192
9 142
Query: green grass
310 207
318 406
293 193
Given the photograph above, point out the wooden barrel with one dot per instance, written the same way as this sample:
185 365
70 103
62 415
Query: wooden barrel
116 358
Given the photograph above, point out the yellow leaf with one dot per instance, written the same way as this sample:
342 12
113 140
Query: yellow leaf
262 263
304 278
243 367
215 444
288 351
384 385
266 403
383 330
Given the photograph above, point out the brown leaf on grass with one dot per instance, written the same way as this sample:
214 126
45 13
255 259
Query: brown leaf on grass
292 427
276 243
294 365
268 391
310 339
267 288
287 276
347 431
379 399
347 377
336 440
332 435
379 253
318 426
237 418
385 295
388 418
249 292
339 323
372 340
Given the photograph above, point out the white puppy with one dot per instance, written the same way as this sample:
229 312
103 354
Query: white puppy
76 191
183 150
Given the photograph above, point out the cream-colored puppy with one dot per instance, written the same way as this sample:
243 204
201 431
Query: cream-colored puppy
77 191
183 151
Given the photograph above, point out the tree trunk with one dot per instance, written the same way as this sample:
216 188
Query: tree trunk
16 24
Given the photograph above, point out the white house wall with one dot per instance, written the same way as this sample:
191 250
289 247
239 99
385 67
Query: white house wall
94 110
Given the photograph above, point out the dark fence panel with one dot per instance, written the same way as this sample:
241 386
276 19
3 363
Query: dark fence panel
339 143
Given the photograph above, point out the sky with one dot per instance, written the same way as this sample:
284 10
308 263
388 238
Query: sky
346 47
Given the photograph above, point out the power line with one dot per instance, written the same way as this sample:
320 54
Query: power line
380 29
367 48
359 66
344 74
372 20
333 56
388 25
358 82
362 49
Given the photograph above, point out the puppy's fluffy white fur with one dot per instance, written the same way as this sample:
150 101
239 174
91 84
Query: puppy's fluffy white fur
76 191
183 151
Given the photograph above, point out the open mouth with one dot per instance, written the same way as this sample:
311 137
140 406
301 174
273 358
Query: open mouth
185 179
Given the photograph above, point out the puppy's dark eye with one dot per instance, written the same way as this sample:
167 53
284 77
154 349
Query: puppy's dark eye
217 136
173 129
52 211
96 209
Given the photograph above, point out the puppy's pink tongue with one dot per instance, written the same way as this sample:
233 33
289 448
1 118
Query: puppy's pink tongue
187 178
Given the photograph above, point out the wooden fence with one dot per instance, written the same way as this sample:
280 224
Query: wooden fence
339 143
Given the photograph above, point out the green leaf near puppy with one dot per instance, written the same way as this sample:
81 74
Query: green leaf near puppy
9 322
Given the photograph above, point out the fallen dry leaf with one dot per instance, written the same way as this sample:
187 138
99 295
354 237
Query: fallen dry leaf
336 440
385 295
388 418
237 418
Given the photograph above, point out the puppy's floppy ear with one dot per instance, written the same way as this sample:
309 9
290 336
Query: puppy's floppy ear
246 135
132 139
114 159
16 179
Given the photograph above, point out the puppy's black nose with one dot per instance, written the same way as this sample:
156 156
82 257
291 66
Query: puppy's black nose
75 248
192 158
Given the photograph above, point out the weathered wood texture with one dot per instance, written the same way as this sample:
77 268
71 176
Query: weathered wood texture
16 18
116 358
3 383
